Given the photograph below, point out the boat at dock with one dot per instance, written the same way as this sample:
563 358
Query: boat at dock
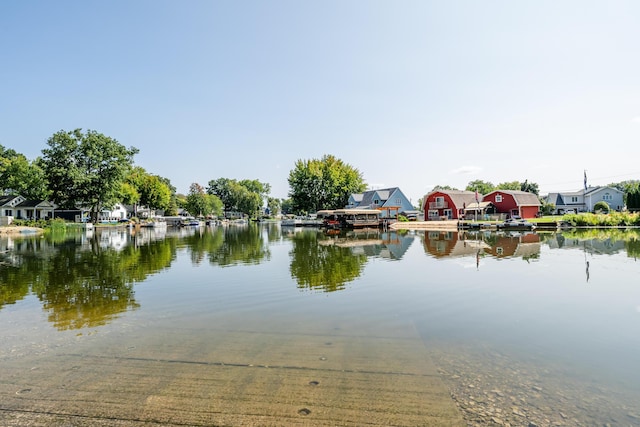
353 218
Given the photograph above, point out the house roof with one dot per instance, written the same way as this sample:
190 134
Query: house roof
383 194
4 200
35 204
458 197
522 198
591 190
474 206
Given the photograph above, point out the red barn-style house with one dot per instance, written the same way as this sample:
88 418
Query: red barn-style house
448 204
511 202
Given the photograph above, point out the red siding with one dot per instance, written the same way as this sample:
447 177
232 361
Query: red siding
529 211
448 202
508 205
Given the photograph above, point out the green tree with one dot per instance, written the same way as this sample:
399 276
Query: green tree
274 206
155 193
152 191
513 185
630 188
221 188
443 187
632 196
129 195
246 196
480 186
20 176
547 208
286 206
326 183
255 186
530 187
199 203
86 169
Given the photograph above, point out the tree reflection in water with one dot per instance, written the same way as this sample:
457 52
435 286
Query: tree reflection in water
81 282
324 267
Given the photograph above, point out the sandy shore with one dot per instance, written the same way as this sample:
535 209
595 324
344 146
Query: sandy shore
12 230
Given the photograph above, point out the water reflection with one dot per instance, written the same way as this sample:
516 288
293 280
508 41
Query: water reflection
228 246
85 280
328 261
440 244
325 267
82 280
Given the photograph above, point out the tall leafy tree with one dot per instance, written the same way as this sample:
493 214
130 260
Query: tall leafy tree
443 187
199 203
286 206
273 204
530 187
323 183
20 176
155 193
222 188
513 185
246 196
86 169
632 196
480 186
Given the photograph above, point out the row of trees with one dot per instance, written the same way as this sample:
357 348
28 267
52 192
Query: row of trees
91 170
95 171
486 187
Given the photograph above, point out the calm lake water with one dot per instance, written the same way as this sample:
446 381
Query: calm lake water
519 328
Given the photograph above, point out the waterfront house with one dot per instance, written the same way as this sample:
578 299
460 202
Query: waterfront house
585 200
390 201
17 207
514 202
448 204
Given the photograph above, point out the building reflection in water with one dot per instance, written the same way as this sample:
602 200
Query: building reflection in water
441 244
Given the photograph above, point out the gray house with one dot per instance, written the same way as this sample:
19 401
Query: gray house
585 200
390 201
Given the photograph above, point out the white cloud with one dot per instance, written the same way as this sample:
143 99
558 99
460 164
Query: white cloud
467 170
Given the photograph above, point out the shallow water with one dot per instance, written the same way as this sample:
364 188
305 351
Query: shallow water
515 328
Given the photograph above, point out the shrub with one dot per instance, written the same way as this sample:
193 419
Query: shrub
601 206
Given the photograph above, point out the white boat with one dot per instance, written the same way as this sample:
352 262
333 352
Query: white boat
155 223
291 222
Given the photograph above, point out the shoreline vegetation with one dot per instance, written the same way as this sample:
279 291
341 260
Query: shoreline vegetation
586 220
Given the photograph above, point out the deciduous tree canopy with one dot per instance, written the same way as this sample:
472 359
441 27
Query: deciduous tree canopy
326 183
86 169
246 196
20 176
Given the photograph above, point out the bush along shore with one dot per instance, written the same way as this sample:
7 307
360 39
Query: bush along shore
613 219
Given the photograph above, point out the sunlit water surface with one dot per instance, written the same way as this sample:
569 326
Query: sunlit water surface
521 326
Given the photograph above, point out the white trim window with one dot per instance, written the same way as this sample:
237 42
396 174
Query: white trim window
498 198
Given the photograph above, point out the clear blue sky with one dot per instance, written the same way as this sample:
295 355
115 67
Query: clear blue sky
412 93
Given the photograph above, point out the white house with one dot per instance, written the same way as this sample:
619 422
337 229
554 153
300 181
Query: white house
17 207
585 200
